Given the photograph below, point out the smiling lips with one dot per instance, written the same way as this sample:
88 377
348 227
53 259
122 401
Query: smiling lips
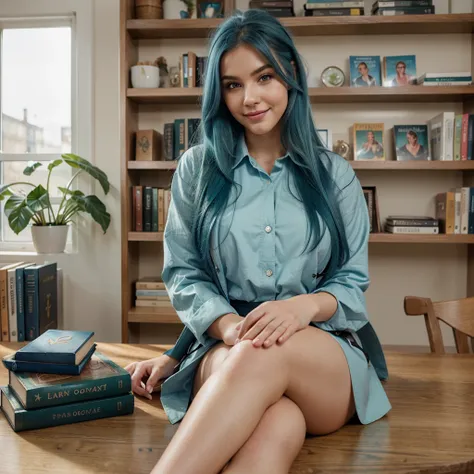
256 115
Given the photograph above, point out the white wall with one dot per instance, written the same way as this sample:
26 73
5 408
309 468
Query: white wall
92 276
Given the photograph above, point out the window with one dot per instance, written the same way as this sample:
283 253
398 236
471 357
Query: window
45 97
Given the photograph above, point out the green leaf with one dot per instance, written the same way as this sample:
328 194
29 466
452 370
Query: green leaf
76 161
5 192
71 192
18 213
32 165
95 207
38 199
53 164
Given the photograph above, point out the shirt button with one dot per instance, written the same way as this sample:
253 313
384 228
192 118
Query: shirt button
269 273
268 229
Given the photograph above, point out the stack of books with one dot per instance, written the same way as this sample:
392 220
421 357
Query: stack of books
443 79
277 8
403 7
30 300
151 292
411 225
334 8
48 395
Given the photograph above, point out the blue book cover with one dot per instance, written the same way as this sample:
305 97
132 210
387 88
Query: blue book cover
46 368
399 70
21 419
101 378
57 347
411 142
365 71
20 301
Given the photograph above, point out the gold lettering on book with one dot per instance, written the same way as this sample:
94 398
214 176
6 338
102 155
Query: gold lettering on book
48 306
59 340
95 389
56 395
75 413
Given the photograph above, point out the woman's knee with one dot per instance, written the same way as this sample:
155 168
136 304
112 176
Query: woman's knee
210 364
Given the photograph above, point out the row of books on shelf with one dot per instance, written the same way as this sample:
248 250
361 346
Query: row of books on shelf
150 207
150 292
191 69
454 214
285 8
31 300
177 137
60 378
445 137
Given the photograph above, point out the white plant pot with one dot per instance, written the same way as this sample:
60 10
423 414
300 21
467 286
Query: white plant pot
50 238
145 76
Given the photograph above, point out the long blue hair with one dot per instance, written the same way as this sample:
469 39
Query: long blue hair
220 133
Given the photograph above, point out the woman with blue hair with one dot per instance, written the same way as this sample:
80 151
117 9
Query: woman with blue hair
265 262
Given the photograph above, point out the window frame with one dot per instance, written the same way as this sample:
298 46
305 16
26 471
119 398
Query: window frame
78 14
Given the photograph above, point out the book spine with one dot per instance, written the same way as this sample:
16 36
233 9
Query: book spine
457 211
151 293
20 303
457 137
4 307
31 304
48 299
405 11
185 70
448 139
161 209
464 136
335 12
154 210
412 222
403 3
464 210
64 394
412 230
74 413
138 191
312 6
450 212
147 208
470 136
168 141
143 285
471 211
11 285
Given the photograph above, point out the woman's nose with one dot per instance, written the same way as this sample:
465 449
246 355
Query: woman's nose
251 96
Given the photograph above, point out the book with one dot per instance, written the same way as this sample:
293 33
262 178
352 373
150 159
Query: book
4 317
399 70
368 141
101 378
365 71
441 135
57 347
404 11
334 12
411 230
335 5
21 419
401 3
46 367
150 283
409 221
411 142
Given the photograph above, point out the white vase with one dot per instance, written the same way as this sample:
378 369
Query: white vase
49 238
145 76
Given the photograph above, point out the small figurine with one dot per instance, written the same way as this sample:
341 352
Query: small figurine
343 149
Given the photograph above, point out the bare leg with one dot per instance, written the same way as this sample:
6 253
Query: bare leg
310 366
275 443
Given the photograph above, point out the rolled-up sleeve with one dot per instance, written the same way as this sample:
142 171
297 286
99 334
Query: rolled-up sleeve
350 281
192 291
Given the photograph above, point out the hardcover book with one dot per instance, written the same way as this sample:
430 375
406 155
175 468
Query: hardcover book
411 142
57 347
368 141
365 71
101 378
398 70
21 419
46 368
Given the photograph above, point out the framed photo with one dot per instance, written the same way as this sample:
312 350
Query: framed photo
368 141
411 142
398 70
206 9
370 194
326 137
365 71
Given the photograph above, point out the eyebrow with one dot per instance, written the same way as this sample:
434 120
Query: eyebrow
260 69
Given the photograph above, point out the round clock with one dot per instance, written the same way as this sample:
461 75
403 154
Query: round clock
333 76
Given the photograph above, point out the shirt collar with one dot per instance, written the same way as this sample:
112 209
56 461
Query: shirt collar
243 152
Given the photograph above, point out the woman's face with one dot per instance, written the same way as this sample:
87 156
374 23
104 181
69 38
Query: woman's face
370 137
249 86
401 69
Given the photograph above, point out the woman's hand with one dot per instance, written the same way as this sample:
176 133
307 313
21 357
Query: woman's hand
145 375
230 333
277 321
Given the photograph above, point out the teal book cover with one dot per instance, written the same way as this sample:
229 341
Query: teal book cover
21 419
365 71
399 70
100 378
58 347
411 142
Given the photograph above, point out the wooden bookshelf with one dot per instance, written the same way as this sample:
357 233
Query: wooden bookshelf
322 95
314 26
132 100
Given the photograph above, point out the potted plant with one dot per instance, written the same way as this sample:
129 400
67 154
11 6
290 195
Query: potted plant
49 229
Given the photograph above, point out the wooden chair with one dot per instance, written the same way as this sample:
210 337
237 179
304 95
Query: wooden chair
458 314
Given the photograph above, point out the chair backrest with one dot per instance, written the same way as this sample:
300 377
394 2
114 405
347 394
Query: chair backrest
458 314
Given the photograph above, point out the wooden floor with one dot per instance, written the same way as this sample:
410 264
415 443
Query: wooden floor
429 430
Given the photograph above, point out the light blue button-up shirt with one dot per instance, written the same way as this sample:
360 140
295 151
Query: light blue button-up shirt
257 245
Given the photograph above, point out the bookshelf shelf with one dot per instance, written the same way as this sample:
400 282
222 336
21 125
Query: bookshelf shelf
313 26
145 236
153 315
321 95
386 238
357 165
